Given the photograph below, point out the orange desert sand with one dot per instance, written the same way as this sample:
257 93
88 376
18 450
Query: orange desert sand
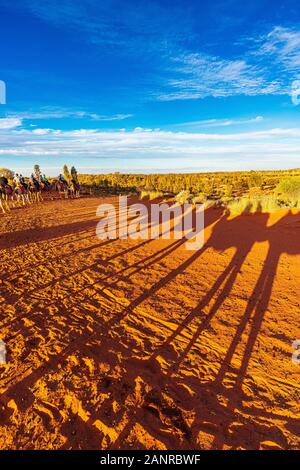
142 344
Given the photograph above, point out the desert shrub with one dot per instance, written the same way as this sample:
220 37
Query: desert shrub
199 199
208 187
288 191
9 174
224 200
254 180
184 197
213 185
151 195
239 184
211 203
244 205
256 192
228 190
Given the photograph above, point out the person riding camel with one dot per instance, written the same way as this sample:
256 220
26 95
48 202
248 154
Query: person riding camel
34 182
3 181
23 182
5 186
45 181
19 182
40 178
16 179
62 180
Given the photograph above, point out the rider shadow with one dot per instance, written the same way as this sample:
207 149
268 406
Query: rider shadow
150 405
213 215
23 237
148 414
255 310
286 243
227 233
243 240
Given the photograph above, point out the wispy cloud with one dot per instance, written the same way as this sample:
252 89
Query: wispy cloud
206 123
115 117
180 65
269 66
256 149
200 76
10 123
60 113
283 46
115 23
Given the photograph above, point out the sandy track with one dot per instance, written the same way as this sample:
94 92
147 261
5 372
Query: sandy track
143 344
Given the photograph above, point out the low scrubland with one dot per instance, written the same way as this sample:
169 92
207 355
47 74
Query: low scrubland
239 192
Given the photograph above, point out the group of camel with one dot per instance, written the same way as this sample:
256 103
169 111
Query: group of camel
17 195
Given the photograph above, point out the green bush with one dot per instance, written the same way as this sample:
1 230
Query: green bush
211 203
184 197
244 205
199 199
288 191
151 195
228 190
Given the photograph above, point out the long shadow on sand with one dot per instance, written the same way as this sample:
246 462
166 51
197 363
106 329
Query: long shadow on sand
22 237
217 417
164 401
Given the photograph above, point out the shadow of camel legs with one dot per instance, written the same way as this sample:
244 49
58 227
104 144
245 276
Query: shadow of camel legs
254 313
230 274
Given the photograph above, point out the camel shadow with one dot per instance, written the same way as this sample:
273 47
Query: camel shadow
154 408
242 239
22 237
151 395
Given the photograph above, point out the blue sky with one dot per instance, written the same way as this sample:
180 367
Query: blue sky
150 86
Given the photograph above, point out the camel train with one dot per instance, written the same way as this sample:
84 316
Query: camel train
22 192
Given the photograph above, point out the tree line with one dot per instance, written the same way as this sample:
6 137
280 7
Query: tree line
212 185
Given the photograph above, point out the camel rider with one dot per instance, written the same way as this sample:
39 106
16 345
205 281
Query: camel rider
5 186
23 182
17 179
62 179
45 180
34 182
3 181
75 184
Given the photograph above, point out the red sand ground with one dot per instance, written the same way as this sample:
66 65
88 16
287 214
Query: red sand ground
143 344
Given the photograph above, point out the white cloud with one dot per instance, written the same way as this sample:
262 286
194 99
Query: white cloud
10 123
272 148
206 123
61 113
283 45
203 75
268 67
116 117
